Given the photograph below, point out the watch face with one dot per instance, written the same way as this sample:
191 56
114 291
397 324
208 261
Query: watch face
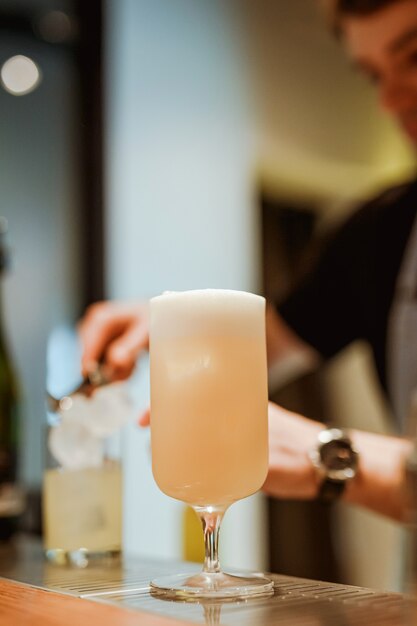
338 459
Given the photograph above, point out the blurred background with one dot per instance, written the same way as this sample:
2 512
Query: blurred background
150 145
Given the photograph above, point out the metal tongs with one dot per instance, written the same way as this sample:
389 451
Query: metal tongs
94 379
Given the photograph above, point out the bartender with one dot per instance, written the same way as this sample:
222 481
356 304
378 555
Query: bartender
364 287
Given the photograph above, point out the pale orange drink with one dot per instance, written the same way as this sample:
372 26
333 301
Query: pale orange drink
209 422
208 395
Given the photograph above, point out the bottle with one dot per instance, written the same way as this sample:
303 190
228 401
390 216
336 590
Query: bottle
11 498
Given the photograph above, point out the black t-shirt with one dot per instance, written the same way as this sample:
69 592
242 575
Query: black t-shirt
348 295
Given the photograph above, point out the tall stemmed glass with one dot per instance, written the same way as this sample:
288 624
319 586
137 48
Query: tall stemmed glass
209 426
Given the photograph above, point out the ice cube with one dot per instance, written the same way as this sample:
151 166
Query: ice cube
77 441
73 445
108 410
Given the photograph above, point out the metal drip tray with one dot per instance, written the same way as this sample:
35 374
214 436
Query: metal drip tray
296 602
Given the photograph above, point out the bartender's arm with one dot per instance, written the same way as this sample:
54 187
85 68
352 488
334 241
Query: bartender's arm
116 333
378 484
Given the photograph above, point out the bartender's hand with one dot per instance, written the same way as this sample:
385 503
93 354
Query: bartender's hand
291 473
114 333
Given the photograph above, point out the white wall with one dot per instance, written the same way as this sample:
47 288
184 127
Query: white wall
180 149
180 207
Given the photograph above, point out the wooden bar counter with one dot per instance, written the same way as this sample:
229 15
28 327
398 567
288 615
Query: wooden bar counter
36 593
21 605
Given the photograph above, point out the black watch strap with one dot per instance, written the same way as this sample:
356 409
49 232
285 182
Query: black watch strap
330 490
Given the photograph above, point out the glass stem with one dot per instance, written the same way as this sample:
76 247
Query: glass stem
211 518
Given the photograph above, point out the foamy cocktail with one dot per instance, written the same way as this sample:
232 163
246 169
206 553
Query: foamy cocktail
209 423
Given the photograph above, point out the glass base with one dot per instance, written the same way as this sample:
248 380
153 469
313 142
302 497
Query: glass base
82 557
212 585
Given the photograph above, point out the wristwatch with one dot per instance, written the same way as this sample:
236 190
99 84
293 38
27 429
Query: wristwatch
336 462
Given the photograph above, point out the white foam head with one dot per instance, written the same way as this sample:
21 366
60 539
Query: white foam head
208 311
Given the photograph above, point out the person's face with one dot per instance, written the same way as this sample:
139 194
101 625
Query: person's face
384 47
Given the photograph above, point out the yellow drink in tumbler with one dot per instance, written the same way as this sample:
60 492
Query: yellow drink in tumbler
208 395
83 508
